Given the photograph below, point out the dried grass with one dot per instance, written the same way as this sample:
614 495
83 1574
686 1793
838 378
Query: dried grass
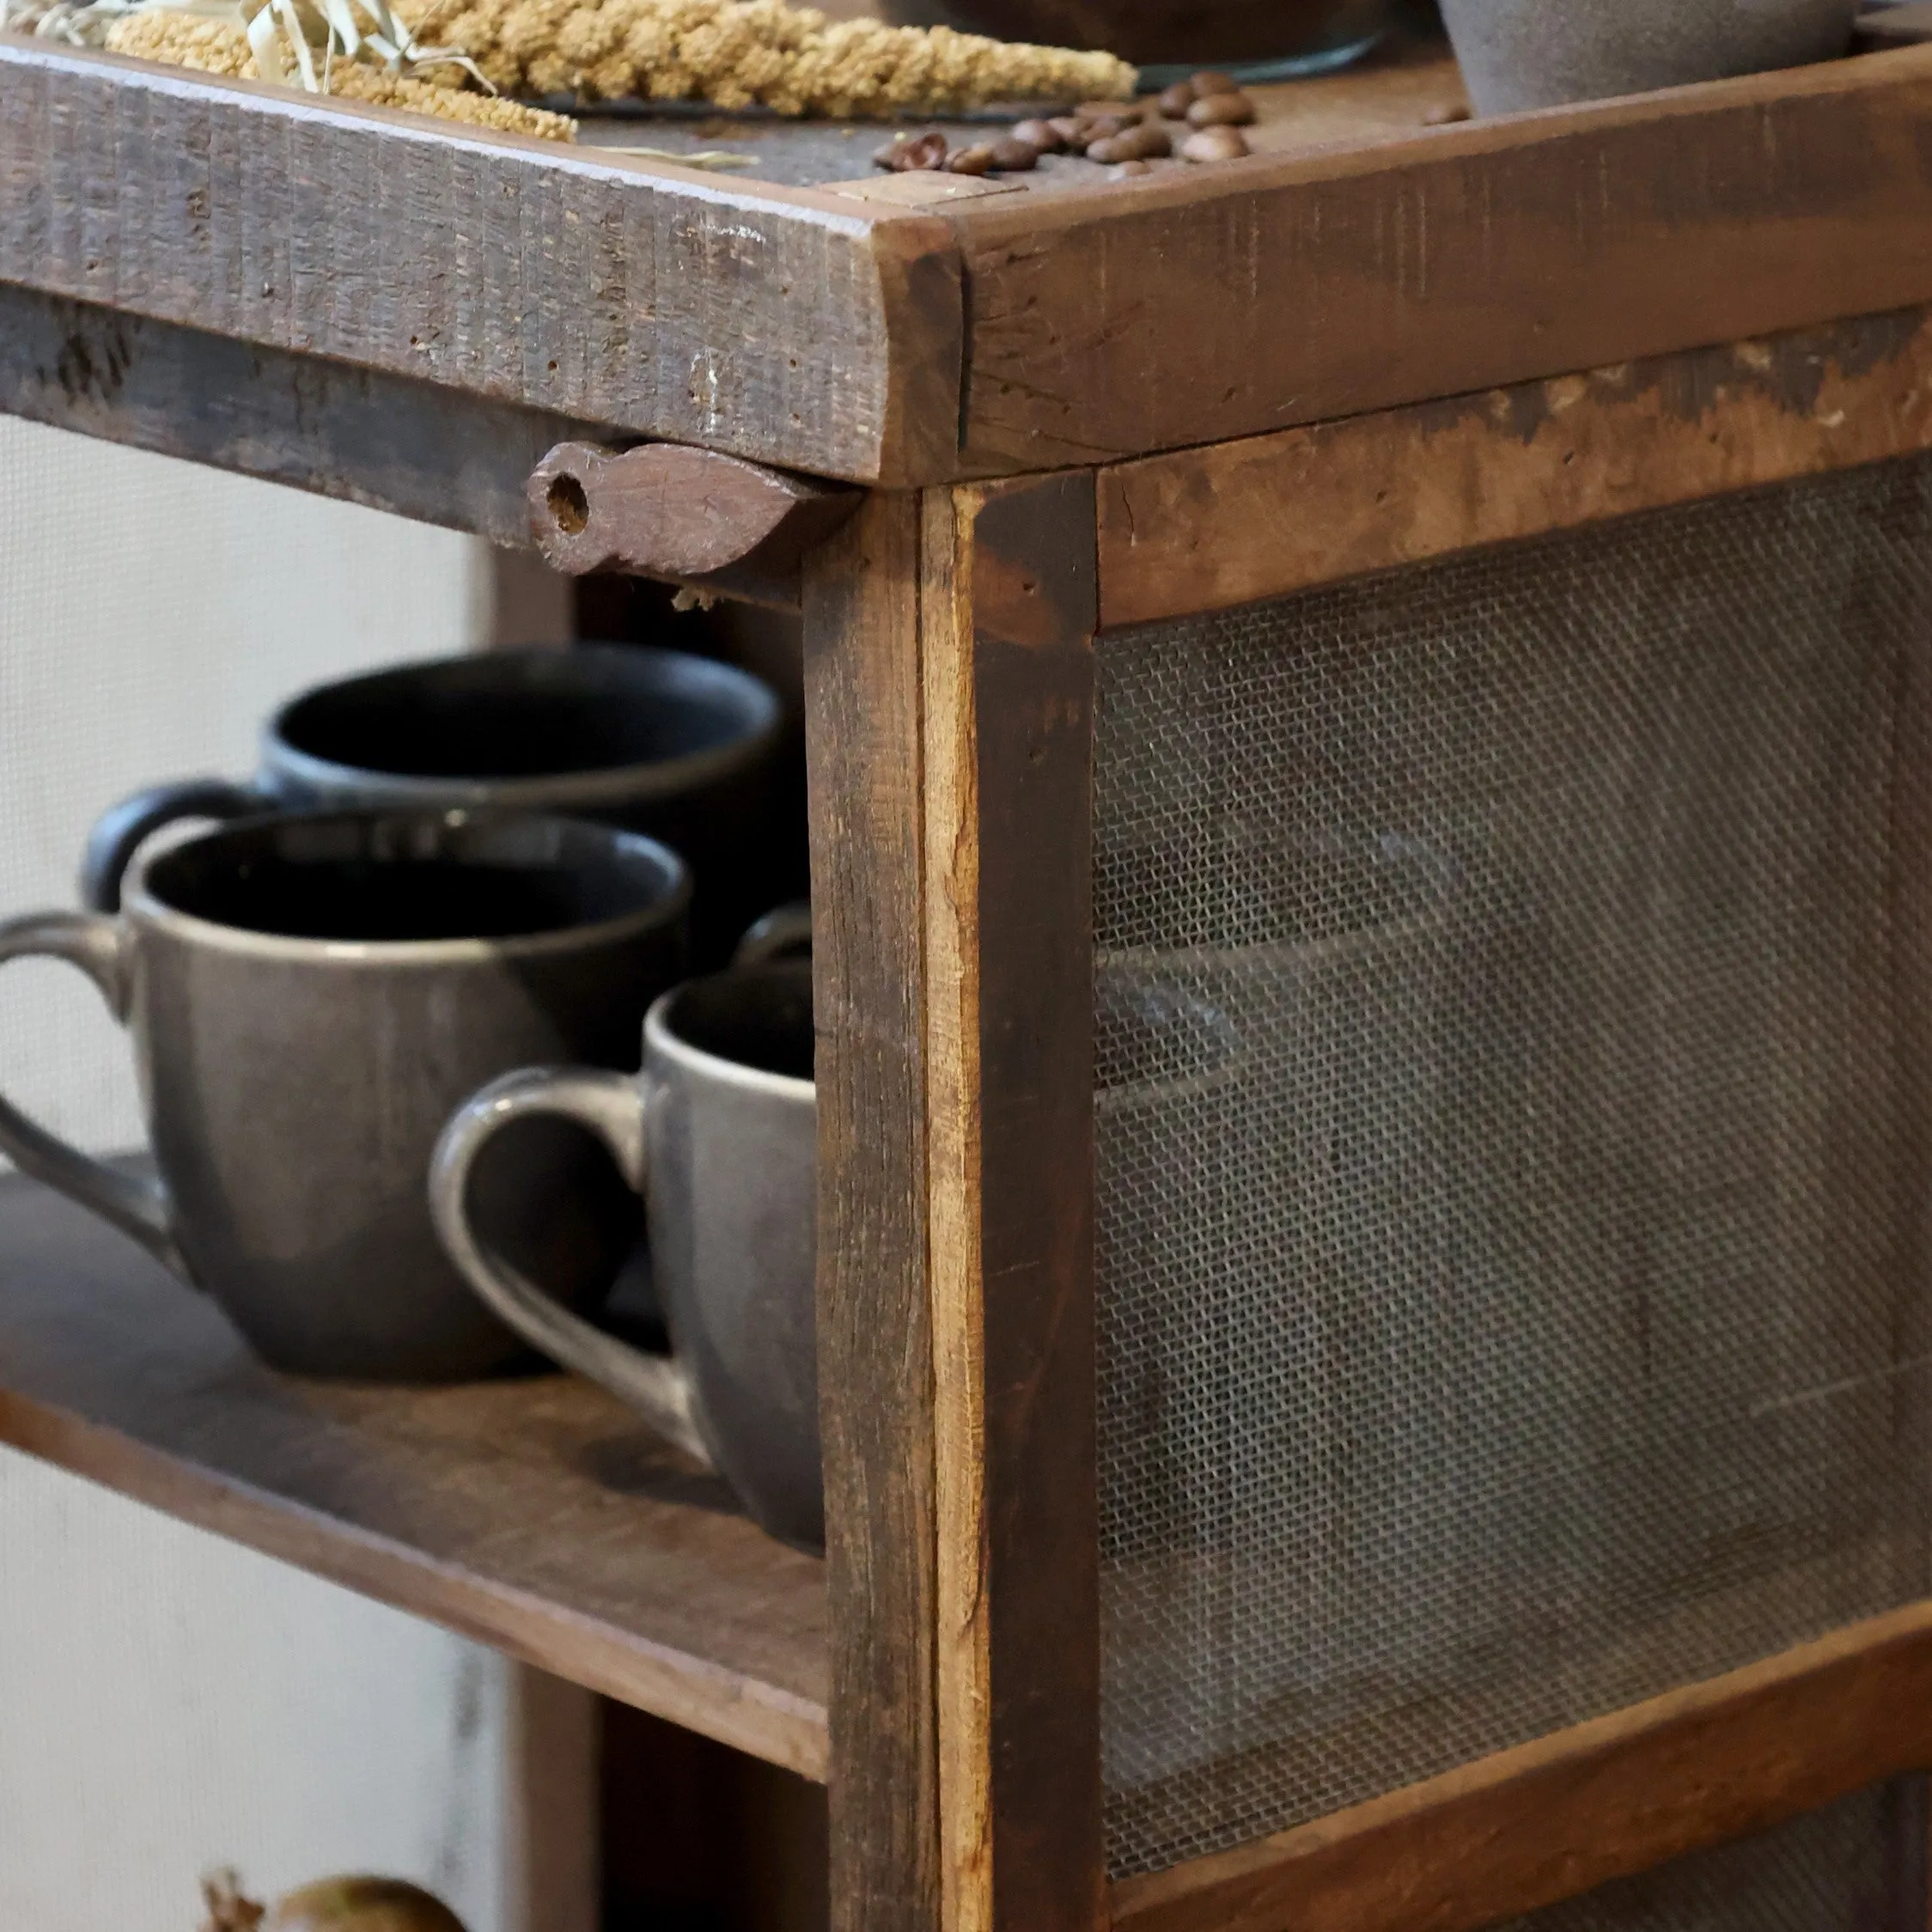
743 54
733 54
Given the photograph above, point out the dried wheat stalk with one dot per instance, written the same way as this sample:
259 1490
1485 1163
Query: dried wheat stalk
731 53
743 53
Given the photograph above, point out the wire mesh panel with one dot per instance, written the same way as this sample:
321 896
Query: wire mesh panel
1513 1019
1856 1866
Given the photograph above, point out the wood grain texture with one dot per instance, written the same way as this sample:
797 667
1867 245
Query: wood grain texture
692 515
1203 529
771 322
1011 587
415 448
532 1514
862 727
1544 1822
1250 297
962 1661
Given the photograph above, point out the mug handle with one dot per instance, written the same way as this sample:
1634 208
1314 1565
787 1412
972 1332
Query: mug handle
784 933
658 1387
118 831
139 1206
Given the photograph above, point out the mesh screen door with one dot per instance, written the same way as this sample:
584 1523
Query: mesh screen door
1512 1016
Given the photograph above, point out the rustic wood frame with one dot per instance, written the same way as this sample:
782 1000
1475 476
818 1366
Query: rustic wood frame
996 591
1627 304
899 347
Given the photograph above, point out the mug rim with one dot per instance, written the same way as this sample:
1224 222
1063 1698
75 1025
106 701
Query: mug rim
140 902
554 791
675 1047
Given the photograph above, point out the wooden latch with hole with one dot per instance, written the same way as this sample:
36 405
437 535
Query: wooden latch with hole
716 523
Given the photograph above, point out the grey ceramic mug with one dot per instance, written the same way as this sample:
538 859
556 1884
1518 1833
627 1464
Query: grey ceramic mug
308 998
718 1134
658 741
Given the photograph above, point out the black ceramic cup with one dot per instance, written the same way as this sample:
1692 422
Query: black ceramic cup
718 1134
657 741
308 998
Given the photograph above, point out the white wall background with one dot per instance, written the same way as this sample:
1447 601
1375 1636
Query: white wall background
169 1702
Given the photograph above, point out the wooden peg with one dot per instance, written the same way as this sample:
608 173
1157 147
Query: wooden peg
690 516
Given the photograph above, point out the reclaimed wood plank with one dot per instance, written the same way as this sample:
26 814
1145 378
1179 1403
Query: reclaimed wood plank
1257 295
779 324
417 450
1009 691
1204 529
532 1514
862 602
1545 1821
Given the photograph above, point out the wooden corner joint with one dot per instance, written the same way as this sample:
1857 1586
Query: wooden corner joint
690 516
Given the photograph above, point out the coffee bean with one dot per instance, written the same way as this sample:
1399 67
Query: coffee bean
1067 128
1105 127
1220 110
1147 142
1174 101
911 152
1443 112
1127 168
1013 157
1209 82
972 160
1040 136
1214 144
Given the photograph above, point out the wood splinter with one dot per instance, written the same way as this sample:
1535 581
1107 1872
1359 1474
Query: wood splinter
692 516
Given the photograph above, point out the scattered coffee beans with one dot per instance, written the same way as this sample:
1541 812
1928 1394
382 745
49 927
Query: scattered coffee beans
972 161
1174 101
1209 82
1127 168
1014 156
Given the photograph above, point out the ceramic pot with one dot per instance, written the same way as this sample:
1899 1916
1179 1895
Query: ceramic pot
1517 54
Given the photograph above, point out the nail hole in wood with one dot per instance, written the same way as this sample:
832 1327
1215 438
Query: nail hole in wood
570 508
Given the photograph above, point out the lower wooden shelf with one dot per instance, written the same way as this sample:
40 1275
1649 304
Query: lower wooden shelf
531 1514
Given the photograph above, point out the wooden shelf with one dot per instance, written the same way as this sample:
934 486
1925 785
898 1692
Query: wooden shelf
532 1514
408 314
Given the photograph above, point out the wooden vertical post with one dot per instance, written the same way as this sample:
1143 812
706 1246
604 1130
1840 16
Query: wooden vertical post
1007 631
861 600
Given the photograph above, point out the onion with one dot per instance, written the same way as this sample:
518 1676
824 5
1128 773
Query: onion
338 1905
362 1905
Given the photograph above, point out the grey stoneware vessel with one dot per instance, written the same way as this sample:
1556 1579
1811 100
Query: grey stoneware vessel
718 1135
658 741
308 997
1540 53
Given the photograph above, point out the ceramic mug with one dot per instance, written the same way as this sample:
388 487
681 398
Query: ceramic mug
308 998
718 1134
681 747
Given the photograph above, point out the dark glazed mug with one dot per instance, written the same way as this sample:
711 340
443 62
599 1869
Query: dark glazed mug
657 741
308 998
718 1133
